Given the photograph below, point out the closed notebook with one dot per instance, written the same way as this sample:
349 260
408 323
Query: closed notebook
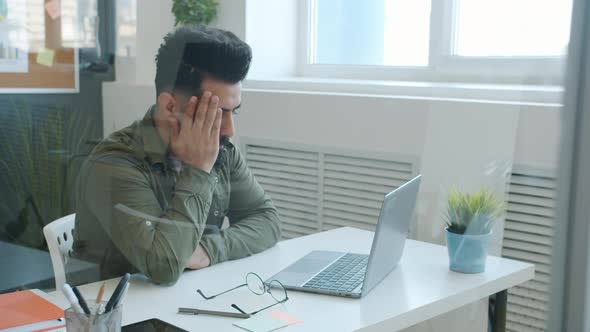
26 307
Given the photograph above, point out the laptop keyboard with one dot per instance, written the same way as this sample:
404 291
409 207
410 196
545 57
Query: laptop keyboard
346 274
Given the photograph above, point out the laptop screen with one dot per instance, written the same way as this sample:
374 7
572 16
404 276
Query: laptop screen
391 233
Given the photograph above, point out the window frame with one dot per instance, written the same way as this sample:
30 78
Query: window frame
443 65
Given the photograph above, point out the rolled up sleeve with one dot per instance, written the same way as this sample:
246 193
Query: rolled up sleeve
155 241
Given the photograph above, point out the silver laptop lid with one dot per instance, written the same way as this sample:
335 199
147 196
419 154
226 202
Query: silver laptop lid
391 233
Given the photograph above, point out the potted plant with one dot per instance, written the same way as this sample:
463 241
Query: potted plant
194 12
470 219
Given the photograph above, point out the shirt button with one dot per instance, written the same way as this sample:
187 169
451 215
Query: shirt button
148 223
216 213
216 179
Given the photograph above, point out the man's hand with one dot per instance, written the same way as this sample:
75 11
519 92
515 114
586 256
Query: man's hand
199 259
196 139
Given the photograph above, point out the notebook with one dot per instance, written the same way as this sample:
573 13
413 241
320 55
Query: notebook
26 307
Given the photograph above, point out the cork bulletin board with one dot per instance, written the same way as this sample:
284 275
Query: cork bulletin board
33 68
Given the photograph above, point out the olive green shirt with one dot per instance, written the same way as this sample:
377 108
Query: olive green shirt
139 209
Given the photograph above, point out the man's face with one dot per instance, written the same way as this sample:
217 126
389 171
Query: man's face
230 98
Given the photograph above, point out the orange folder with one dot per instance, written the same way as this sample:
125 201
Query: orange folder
26 307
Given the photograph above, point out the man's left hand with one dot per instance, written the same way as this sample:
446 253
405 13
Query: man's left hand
199 259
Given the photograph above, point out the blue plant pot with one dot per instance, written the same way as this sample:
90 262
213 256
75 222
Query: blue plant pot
467 253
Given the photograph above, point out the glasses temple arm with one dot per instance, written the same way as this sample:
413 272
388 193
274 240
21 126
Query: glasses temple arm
213 296
235 306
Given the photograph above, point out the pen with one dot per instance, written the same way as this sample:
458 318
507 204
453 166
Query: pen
81 300
194 311
122 296
69 293
117 293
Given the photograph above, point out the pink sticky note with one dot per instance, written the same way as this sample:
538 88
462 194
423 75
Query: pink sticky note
53 8
284 317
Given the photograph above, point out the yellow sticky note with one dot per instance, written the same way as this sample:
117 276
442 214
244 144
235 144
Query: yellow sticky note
45 57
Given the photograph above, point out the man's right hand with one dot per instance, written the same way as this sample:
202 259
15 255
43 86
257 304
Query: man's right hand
196 139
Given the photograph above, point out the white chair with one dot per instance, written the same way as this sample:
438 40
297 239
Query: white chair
59 235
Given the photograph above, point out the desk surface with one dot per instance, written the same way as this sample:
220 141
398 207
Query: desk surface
421 287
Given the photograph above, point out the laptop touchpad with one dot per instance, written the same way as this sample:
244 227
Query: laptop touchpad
313 262
306 267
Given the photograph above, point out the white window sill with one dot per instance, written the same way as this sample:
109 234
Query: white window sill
527 94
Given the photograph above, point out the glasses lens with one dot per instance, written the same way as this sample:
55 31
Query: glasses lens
277 291
255 284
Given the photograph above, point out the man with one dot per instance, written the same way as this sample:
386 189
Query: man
152 197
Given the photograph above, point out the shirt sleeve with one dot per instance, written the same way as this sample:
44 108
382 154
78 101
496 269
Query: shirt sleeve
254 221
158 243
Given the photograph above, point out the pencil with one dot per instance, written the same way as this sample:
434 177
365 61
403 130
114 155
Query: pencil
100 293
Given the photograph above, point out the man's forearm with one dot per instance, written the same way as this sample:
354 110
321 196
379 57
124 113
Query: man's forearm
249 236
168 263
157 244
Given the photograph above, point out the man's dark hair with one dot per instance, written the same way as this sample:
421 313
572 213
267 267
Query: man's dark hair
192 53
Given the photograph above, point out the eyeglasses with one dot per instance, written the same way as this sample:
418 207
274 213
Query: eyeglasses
255 284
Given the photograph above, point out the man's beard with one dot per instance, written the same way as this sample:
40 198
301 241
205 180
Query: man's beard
223 142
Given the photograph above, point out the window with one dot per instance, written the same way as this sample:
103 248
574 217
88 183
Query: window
372 34
438 39
512 28
126 28
79 23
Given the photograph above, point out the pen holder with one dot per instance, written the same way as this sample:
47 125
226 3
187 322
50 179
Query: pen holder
96 321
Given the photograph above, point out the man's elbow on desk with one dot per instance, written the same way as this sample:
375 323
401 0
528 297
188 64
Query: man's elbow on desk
165 273
164 279
169 273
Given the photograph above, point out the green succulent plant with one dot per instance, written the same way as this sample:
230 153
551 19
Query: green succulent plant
192 12
473 213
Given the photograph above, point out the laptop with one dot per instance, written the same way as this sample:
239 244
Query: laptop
352 274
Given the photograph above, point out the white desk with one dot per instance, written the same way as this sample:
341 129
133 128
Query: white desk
421 287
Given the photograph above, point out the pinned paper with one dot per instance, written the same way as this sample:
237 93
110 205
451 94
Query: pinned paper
265 322
53 8
45 57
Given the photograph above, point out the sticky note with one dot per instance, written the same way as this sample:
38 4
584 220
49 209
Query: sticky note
45 57
53 8
284 317
265 322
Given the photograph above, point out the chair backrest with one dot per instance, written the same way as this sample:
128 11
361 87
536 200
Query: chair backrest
59 235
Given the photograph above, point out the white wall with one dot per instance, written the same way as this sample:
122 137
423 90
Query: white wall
154 21
537 141
231 16
463 143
